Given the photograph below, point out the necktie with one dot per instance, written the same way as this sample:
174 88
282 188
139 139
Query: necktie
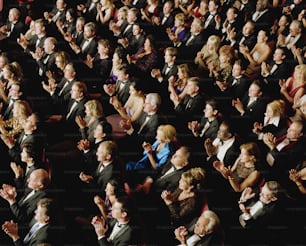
188 105
28 237
75 103
62 90
189 40
143 124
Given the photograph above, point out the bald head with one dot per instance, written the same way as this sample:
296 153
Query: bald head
39 179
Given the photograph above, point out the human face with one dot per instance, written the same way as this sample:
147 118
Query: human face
14 91
136 30
269 112
79 25
116 60
212 7
190 88
148 107
88 33
40 215
244 156
160 136
265 195
223 133
283 21
48 46
60 4
59 62
236 70
278 55
147 45
101 153
261 37
132 90
68 16
102 49
131 18
75 93
38 28
109 190
69 72
16 111
24 155
29 124
247 29
98 132
200 225
178 159
116 211
230 14
167 57
183 185
34 181
294 29
2 62
167 8
254 90
209 111
13 15
7 74
294 131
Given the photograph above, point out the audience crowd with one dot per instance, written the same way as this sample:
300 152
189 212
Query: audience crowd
157 122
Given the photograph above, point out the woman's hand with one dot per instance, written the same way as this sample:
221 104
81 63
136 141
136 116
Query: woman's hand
167 197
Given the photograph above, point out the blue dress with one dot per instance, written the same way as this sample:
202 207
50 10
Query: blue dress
161 158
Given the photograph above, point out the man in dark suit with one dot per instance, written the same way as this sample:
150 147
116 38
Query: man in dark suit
285 152
168 177
126 29
41 227
207 231
259 210
263 17
161 76
122 87
28 136
191 106
15 94
89 44
37 41
11 30
193 41
60 93
24 208
275 70
251 108
212 18
46 61
109 167
122 230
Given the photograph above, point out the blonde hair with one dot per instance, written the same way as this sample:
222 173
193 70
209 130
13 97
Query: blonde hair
215 41
180 17
95 108
301 68
252 149
278 107
24 107
194 177
169 132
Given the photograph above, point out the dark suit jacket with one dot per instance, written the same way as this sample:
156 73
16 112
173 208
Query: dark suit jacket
7 110
47 65
17 30
33 43
188 50
78 110
45 234
265 21
212 130
21 182
193 109
91 49
148 132
126 236
256 110
239 89
33 139
283 71
123 94
24 211
169 181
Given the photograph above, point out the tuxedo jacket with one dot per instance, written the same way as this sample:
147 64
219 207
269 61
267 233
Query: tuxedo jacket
168 23
212 130
34 139
126 33
91 49
17 30
128 235
78 110
7 110
249 41
124 93
265 21
48 65
194 108
188 50
148 132
169 181
283 71
21 182
33 44
60 99
256 110
24 211
239 89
